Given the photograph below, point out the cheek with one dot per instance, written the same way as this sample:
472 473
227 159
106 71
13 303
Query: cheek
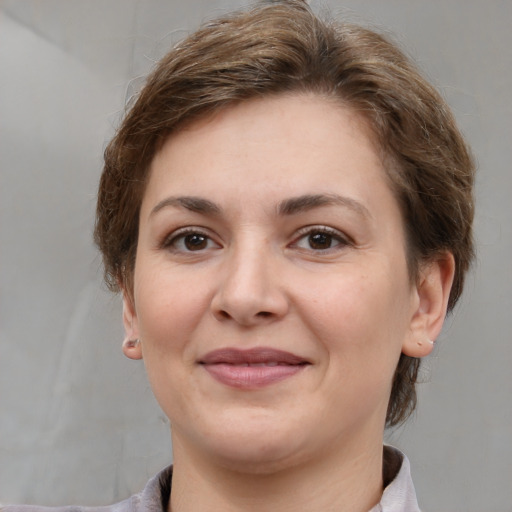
362 327
345 301
169 307
359 314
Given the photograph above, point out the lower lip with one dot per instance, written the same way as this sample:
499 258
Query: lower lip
251 377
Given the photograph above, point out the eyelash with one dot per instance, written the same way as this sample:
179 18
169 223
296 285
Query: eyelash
171 242
341 239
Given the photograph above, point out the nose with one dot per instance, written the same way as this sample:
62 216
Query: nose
250 290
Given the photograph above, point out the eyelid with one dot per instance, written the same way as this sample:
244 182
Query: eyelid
343 238
168 240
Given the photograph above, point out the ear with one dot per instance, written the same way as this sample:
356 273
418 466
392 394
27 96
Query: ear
131 343
432 292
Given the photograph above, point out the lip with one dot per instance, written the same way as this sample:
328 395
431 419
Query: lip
253 368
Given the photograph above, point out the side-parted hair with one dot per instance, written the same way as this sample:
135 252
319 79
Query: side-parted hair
282 47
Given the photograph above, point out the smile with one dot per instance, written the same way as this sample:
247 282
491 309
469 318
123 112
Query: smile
252 369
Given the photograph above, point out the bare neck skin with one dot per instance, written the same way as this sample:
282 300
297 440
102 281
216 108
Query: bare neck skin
343 482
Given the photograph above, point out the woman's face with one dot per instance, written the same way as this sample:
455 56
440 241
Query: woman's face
271 291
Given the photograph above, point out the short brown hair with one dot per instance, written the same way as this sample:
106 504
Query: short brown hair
283 47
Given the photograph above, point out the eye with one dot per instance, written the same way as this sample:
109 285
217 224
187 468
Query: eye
320 238
190 240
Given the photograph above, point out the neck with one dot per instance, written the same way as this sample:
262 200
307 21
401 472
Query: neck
343 481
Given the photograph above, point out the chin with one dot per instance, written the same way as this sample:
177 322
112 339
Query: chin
260 459
260 446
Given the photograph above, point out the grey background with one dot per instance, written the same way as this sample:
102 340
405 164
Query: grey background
78 423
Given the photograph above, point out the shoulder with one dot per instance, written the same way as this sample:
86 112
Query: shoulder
153 498
123 506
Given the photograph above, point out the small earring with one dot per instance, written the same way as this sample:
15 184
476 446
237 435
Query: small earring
131 343
432 342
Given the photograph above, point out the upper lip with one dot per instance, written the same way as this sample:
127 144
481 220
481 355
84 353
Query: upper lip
251 356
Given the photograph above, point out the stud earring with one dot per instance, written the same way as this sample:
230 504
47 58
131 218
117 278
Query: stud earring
131 343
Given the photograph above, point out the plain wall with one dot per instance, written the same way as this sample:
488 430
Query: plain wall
78 423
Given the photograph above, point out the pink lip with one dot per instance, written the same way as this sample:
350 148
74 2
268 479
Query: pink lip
253 368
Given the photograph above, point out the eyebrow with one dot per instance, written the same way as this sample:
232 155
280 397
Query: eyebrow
192 203
291 206
308 202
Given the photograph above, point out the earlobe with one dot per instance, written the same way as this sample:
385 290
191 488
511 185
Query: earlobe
432 294
132 348
131 343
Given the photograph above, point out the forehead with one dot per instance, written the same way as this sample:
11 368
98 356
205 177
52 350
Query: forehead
261 148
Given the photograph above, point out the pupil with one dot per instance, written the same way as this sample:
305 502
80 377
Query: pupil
320 241
195 242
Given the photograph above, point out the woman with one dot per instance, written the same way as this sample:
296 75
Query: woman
287 212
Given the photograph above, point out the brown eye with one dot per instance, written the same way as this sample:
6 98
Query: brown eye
189 240
195 242
320 241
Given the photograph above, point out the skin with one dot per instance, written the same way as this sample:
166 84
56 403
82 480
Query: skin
324 278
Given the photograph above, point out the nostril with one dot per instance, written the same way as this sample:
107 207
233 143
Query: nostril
264 314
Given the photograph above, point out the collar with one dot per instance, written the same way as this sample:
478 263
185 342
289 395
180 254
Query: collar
398 496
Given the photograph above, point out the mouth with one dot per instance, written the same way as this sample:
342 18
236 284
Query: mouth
253 368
